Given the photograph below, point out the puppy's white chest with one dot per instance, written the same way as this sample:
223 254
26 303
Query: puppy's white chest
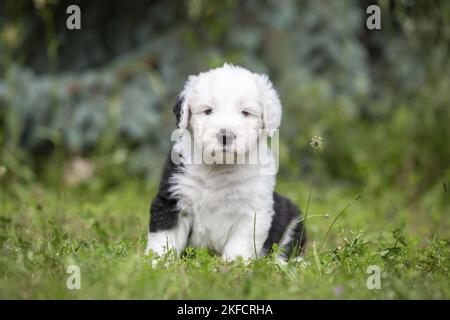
212 221
215 205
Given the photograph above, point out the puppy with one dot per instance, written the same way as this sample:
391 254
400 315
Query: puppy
217 187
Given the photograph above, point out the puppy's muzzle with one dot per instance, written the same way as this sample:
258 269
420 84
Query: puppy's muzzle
225 137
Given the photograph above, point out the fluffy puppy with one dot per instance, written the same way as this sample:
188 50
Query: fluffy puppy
217 187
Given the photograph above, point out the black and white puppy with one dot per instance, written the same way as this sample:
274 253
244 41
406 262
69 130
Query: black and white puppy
218 196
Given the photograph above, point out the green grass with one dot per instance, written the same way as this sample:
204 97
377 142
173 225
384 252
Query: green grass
44 230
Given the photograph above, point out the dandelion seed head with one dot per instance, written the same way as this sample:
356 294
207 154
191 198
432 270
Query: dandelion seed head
316 143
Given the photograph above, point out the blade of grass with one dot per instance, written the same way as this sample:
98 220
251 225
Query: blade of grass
317 259
254 237
306 216
334 221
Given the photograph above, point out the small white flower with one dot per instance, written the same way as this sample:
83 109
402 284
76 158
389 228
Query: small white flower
316 143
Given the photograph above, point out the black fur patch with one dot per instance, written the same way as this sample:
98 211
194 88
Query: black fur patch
177 109
163 210
285 212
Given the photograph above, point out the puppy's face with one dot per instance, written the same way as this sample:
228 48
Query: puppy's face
226 108
226 112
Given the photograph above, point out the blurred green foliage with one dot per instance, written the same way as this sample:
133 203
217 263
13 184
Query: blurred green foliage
380 99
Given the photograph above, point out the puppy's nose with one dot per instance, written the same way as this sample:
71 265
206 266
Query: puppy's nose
225 137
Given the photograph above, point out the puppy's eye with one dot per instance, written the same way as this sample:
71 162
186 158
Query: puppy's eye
208 111
246 113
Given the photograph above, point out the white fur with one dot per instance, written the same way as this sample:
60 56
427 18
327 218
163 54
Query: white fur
218 202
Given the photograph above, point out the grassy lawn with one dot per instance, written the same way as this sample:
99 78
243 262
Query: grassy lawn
43 230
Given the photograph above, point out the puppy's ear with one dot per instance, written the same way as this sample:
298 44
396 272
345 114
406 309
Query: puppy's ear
181 108
271 104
